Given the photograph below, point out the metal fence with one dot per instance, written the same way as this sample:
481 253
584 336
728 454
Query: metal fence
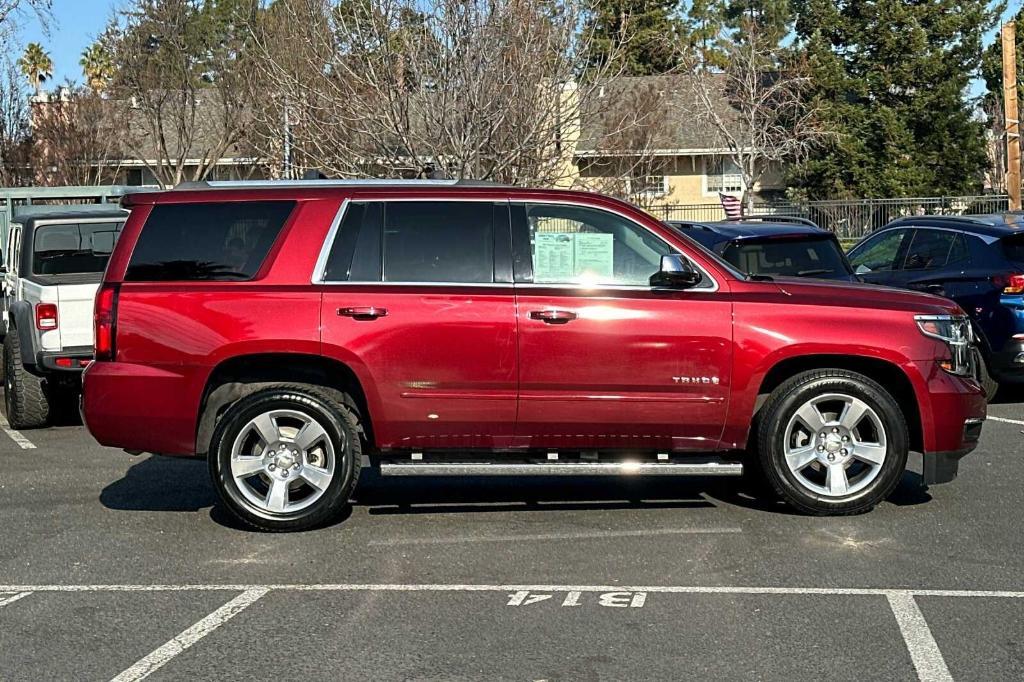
848 219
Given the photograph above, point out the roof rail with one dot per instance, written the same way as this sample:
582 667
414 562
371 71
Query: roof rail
976 219
370 182
776 219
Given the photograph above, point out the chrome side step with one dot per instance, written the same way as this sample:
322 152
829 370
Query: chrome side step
697 468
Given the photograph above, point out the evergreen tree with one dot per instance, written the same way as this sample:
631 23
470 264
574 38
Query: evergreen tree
705 23
892 77
774 18
641 34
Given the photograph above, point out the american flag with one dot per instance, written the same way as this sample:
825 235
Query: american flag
733 206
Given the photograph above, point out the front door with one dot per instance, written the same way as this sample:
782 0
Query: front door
418 300
606 361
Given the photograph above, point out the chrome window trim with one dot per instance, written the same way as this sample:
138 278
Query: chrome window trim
988 239
325 250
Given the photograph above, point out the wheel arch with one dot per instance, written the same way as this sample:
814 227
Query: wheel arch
19 316
242 375
886 373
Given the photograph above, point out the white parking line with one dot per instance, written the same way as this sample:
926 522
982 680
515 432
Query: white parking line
469 587
924 652
159 657
5 600
23 443
1005 420
552 536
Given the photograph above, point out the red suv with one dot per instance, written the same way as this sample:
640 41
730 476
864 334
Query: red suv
283 331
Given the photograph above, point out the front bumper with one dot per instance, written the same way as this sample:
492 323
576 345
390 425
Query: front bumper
1007 365
943 467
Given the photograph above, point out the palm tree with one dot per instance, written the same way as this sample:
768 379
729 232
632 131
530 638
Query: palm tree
97 66
36 65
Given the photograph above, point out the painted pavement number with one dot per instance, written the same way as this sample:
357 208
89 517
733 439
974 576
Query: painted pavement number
634 600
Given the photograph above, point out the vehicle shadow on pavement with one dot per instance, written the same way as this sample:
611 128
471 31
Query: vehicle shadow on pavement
166 484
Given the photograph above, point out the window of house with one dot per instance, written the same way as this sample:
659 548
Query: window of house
649 184
723 175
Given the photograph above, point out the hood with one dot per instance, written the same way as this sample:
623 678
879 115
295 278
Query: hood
860 295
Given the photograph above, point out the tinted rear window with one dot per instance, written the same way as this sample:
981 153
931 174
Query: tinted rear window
437 241
788 257
1014 248
73 248
208 241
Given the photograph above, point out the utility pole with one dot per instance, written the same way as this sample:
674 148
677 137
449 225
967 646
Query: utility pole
1009 35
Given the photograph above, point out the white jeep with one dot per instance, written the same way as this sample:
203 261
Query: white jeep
53 264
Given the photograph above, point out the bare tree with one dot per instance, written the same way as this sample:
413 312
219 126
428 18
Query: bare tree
14 127
178 68
483 89
76 139
757 106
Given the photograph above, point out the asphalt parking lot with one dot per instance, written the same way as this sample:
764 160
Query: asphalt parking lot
121 567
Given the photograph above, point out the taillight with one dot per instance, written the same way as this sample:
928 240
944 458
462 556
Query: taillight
105 322
46 316
1011 284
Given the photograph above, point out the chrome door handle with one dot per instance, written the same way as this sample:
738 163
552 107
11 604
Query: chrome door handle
367 312
553 316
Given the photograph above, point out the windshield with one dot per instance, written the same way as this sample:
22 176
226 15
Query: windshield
73 248
801 257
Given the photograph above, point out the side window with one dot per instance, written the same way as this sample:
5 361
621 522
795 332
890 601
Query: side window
879 253
210 241
355 254
931 249
587 246
439 241
16 251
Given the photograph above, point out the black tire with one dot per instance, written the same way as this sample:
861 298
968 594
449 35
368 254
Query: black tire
781 407
332 410
25 400
981 373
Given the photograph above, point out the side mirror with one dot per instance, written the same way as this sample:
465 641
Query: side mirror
676 273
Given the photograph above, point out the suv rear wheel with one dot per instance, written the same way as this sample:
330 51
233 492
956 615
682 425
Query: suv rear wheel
832 442
25 400
286 458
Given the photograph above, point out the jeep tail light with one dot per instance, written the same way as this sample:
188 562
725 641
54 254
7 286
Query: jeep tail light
46 316
105 322
1011 284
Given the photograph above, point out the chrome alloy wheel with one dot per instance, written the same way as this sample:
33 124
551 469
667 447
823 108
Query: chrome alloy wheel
835 445
282 461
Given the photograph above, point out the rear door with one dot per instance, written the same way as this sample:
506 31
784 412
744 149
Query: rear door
937 262
417 296
605 361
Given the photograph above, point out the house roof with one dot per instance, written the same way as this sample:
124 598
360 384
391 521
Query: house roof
661 107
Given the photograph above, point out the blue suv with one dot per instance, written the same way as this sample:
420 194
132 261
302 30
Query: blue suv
978 261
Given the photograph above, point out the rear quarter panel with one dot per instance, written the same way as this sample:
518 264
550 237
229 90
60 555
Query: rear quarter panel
171 335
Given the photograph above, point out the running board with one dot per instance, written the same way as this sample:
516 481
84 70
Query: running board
702 468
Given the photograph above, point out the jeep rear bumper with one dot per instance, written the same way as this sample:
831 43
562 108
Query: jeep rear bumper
73 359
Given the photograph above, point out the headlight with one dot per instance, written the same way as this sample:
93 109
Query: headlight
955 332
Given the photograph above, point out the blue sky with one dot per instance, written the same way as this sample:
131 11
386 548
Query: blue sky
76 24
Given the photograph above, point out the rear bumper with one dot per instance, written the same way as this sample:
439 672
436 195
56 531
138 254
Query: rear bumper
1007 365
71 360
139 407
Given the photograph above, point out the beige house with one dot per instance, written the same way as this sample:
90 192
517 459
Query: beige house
639 137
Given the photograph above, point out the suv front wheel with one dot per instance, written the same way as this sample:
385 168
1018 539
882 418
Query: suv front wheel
287 458
832 442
